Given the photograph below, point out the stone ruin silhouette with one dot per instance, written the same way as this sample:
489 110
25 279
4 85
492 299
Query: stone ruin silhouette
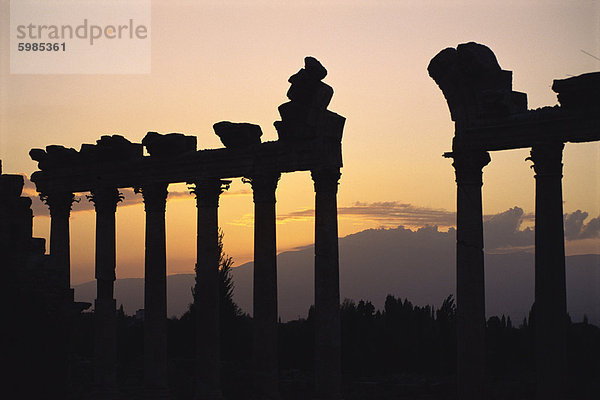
309 140
490 116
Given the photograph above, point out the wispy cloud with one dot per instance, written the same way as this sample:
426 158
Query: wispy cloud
382 214
385 214
503 231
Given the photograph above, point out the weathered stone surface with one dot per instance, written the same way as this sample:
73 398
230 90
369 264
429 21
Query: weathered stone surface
113 148
331 125
168 145
306 91
473 83
11 186
582 91
238 135
289 131
55 156
314 68
305 116
304 123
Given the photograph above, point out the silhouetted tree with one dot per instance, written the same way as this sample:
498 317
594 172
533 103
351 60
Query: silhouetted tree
228 307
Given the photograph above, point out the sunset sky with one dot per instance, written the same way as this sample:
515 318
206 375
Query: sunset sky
230 60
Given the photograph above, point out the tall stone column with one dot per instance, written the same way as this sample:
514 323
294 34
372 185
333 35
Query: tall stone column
328 374
470 284
155 293
265 358
60 204
206 299
550 307
105 345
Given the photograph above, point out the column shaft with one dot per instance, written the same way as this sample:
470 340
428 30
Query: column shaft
155 292
470 284
60 246
206 300
60 204
265 356
105 344
550 309
327 288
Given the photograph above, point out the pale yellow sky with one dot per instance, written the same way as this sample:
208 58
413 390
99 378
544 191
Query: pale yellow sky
230 60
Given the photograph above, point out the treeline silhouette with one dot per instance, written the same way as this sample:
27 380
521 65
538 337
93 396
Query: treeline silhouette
401 351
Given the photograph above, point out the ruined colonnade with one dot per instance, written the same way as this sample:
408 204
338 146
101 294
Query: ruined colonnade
155 300
490 116
309 140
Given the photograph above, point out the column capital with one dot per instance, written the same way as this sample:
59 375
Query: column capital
105 199
326 180
468 165
207 191
264 186
547 159
59 203
155 196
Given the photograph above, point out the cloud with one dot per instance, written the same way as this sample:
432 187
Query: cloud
575 228
385 214
503 230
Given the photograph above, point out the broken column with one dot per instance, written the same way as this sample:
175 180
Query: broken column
206 290
328 374
238 135
58 158
105 201
265 358
306 116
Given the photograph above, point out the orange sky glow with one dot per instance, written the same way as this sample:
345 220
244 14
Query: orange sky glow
230 60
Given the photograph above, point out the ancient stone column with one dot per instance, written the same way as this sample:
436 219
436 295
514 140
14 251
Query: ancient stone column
105 344
266 374
155 292
60 204
206 300
470 284
60 248
550 307
328 374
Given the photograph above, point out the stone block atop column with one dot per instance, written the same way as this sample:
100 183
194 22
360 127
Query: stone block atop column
112 148
54 157
473 83
11 187
238 135
169 145
579 92
305 116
